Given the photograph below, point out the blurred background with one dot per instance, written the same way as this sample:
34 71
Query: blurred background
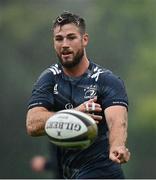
122 38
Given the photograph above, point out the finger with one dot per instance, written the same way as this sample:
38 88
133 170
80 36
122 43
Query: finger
94 99
127 156
90 101
93 106
87 107
117 155
95 117
124 157
123 160
120 155
114 158
119 159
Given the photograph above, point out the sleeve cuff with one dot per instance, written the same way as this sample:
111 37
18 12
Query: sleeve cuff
42 103
114 103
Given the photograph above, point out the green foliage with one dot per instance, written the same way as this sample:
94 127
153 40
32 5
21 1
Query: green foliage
146 113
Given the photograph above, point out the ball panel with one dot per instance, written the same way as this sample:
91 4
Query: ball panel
81 137
86 118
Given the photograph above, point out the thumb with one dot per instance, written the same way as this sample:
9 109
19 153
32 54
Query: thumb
114 157
94 99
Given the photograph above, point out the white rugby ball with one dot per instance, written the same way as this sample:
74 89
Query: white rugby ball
71 129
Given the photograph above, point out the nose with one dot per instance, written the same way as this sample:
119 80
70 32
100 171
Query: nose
65 43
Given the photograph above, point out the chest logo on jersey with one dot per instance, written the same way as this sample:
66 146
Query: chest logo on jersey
90 92
69 106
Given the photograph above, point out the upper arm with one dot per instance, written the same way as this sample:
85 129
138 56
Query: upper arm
42 93
40 104
112 91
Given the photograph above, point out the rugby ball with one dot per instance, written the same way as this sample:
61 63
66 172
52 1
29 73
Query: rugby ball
71 129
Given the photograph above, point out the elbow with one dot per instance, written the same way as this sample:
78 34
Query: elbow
34 125
31 129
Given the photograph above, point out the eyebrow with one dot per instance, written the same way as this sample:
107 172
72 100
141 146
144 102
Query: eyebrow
70 34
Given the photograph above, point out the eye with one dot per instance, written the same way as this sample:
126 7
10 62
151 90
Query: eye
72 37
58 38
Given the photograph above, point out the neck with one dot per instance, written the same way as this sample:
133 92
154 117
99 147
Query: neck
79 69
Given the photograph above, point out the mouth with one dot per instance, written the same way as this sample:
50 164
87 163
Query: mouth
66 53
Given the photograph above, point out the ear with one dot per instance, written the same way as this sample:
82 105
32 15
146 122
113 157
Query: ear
85 39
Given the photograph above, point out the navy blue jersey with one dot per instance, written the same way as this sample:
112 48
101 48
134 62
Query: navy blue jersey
56 91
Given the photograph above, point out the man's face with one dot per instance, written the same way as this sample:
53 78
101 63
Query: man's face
69 44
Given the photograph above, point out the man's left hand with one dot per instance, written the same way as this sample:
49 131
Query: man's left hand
119 154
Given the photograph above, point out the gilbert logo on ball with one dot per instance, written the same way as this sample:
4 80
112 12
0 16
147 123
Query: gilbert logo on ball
71 129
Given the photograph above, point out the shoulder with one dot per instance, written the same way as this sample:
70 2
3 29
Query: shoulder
49 73
111 78
111 88
105 76
100 73
55 69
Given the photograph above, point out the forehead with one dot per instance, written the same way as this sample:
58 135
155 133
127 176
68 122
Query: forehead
66 29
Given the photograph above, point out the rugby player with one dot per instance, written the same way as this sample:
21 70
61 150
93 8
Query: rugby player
76 81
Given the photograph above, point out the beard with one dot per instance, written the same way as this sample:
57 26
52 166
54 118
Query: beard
75 61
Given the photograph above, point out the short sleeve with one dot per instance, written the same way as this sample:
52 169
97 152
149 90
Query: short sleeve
112 90
42 93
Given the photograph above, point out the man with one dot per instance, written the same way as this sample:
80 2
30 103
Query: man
40 163
76 82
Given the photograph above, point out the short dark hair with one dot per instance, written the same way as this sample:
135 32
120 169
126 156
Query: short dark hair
67 17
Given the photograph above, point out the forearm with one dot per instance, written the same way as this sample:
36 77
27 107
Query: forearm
118 132
117 122
36 119
116 118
